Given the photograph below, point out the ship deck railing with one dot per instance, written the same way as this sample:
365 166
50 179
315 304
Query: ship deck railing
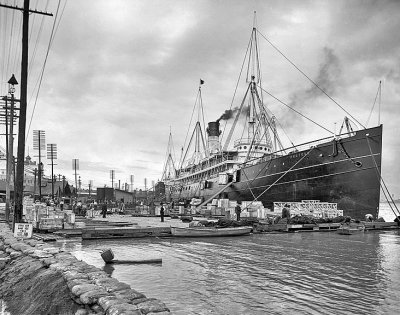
296 148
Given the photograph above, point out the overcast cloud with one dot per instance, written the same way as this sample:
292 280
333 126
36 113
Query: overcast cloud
120 74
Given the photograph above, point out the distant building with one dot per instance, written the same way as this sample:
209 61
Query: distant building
114 194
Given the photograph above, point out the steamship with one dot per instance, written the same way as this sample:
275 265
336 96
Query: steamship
343 168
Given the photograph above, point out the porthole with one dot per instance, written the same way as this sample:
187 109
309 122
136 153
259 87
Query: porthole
245 147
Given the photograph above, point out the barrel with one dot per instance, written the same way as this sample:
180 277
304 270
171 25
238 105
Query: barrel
107 255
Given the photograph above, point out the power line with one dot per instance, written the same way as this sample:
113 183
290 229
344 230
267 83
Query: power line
36 45
11 36
52 35
17 48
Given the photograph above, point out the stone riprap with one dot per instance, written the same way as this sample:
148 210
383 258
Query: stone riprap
36 278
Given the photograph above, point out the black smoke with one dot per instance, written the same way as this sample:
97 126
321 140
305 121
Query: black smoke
230 113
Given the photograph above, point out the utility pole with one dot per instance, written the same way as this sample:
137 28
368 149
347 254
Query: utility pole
40 175
75 167
63 179
52 155
19 185
7 210
39 143
34 183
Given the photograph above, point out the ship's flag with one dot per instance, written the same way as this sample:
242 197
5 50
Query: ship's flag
201 81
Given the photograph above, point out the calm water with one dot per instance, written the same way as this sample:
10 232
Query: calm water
294 273
291 273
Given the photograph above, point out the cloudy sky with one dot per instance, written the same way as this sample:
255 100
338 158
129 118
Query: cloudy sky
121 74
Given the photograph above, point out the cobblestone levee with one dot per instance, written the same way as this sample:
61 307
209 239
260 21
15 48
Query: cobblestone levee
36 278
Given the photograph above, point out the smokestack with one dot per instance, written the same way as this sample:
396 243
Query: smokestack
213 129
213 137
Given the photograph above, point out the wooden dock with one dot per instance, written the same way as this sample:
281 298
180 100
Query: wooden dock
101 223
321 227
381 225
127 232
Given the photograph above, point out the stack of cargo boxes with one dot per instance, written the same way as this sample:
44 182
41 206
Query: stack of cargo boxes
45 217
251 209
309 207
216 208
230 211
226 208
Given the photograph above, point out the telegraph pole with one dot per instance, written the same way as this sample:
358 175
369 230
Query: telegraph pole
39 143
34 183
63 181
75 166
52 155
19 185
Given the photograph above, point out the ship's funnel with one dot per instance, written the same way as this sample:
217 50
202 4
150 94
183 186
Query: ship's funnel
213 129
213 133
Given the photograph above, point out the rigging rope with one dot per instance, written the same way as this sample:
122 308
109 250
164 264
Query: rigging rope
283 103
281 176
236 87
381 179
373 106
248 182
315 84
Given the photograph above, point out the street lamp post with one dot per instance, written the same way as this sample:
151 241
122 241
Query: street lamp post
10 157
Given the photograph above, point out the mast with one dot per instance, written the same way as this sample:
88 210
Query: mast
197 140
259 124
169 161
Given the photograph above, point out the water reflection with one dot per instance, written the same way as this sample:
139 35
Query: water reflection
109 269
309 273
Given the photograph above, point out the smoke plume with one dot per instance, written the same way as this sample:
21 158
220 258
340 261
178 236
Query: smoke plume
230 113
327 79
328 75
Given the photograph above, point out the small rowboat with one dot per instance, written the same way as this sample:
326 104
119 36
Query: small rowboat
210 231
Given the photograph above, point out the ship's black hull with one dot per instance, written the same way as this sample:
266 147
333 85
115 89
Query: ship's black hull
345 171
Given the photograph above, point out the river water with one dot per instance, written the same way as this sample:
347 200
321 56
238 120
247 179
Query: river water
287 273
290 273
